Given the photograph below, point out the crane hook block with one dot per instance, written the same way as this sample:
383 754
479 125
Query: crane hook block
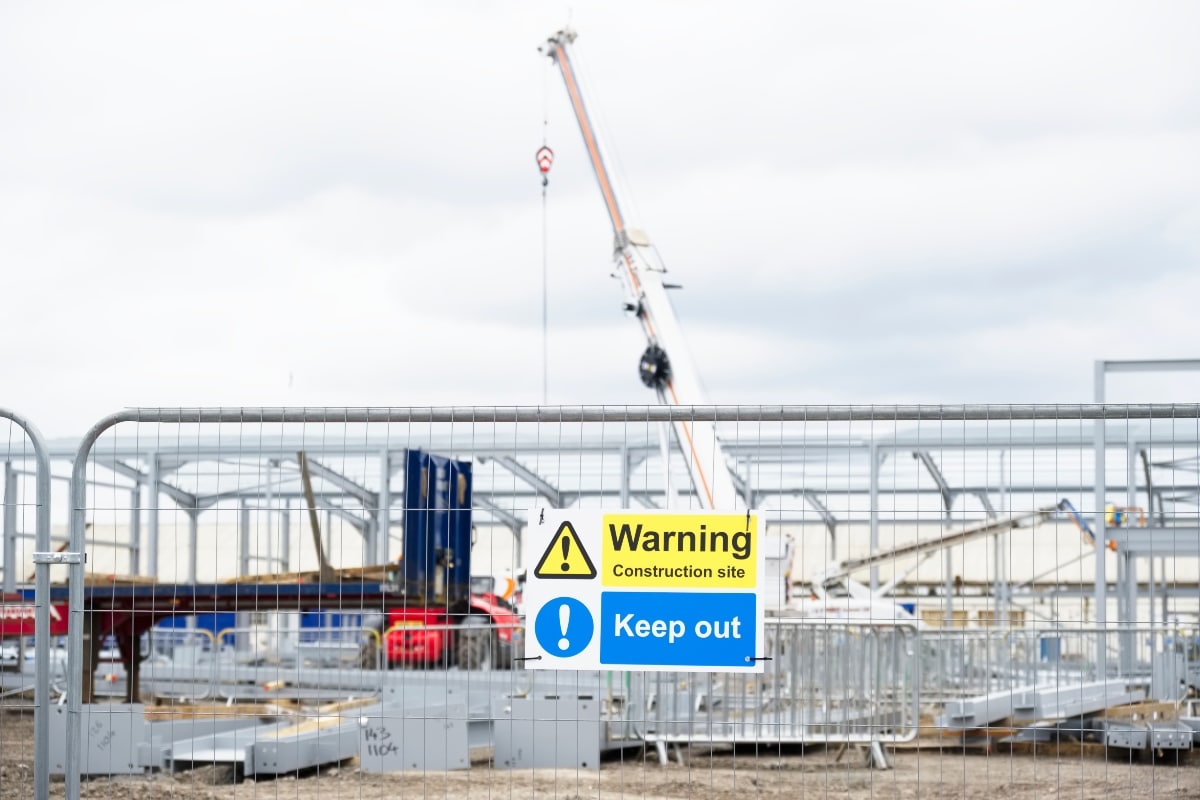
654 368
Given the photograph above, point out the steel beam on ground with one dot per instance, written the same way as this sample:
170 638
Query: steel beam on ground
1063 700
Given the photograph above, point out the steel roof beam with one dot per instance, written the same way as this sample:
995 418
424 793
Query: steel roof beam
509 519
184 498
368 498
557 498
327 502
826 516
938 479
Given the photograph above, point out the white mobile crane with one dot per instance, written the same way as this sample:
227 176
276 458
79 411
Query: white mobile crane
666 365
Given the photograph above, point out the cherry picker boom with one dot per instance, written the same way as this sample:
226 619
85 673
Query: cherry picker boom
640 269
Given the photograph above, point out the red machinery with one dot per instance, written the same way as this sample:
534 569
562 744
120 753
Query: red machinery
447 617
488 635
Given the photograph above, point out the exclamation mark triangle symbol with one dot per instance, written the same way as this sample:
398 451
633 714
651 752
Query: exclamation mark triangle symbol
565 557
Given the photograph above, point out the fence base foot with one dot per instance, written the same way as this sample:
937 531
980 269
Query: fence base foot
876 757
664 757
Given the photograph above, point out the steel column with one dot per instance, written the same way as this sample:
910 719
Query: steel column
384 516
664 438
1001 589
625 470
873 455
243 538
1129 636
1128 639
1101 574
193 517
285 536
152 469
135 529
243 641
10 528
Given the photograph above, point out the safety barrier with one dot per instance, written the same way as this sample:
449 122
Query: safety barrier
958 663
823 683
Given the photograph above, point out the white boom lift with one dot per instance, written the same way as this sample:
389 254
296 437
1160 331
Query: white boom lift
840 572
862 602
665 366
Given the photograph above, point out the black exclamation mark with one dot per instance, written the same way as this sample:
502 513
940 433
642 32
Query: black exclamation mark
566 548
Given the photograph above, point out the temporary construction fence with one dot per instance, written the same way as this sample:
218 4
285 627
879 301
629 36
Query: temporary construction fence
31 448
824 683
268 539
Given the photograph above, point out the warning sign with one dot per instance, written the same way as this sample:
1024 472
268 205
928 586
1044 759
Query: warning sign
652 590
565 557
680 550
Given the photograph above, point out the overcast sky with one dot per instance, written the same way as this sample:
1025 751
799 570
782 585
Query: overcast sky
337 203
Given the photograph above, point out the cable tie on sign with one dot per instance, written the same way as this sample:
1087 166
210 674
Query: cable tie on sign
760 658
747 519
542 517
531 658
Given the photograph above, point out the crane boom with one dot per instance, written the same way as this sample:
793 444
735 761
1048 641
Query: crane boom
666 365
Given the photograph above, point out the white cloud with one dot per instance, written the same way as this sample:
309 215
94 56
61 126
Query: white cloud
865 203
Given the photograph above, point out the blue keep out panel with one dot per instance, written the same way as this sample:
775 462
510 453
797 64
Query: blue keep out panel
678 629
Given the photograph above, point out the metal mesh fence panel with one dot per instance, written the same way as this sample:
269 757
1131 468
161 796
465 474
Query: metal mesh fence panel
959 601
26 662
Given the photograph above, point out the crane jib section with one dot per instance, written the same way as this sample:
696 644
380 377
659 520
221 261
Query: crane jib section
666 366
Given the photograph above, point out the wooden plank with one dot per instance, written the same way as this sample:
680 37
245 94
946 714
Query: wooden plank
373 573
96 579
1143 711
219 710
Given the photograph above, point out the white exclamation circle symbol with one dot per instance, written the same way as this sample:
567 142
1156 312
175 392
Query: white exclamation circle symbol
564 621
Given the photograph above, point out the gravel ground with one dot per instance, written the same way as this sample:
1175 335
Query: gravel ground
715 775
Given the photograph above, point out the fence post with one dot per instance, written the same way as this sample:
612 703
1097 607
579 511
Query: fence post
41 624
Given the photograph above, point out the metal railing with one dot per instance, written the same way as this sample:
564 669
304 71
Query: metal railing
823 683
957 663
827 683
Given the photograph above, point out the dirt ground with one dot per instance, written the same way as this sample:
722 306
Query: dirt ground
721 774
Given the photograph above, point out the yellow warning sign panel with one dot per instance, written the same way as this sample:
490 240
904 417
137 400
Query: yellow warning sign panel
680 550
565 557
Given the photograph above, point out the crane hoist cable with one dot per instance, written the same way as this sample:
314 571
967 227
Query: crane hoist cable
545 159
